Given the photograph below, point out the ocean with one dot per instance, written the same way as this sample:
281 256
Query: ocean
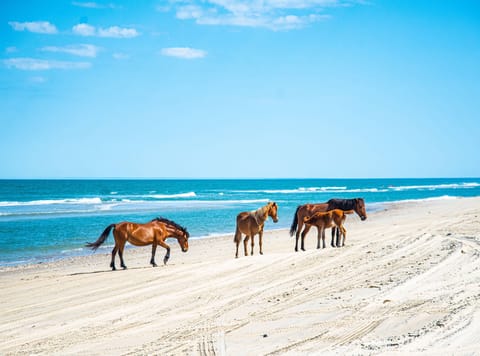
46 220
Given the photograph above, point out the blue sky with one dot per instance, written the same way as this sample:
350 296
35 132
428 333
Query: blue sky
227 88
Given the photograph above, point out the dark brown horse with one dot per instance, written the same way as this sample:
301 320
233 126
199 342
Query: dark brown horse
251 223
357 205
152 233
325 220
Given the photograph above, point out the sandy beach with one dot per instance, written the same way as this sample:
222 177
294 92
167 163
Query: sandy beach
407 281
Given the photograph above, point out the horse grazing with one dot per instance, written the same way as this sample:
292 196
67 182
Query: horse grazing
152 233
251 223
325 220
357 205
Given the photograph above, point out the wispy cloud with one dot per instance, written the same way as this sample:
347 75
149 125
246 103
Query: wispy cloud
11 49
82 50
183 52
84 29
36 26
271 14
119 56
42 64
95 5
38 79
118 32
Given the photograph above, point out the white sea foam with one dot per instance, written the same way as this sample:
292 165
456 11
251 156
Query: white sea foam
437 186
168 196
310 190
52 202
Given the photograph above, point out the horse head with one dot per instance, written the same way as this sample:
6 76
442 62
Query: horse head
176 231
272 211
360 208
183 239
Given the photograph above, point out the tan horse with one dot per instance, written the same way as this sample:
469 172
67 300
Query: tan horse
357 205
251 223
325 220
152 233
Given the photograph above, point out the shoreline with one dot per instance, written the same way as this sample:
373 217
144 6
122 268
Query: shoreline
83 252
406 282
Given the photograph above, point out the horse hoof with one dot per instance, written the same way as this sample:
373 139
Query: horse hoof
154 265
124 267
261 253
303 249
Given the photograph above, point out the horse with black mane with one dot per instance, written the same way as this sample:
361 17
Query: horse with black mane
152 233
357 205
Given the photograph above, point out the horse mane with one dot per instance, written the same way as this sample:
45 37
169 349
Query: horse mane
170 222
344 204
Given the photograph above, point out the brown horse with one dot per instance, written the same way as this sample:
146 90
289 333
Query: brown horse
251 223
357 205
152 233
325 220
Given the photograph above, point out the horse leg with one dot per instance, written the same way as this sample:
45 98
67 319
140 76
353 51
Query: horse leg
344 233
238 244
120 253
167 255
323 237
319 235
252 243
333 237
152 260
304 233
114 252
299 229
339 236
245 244
237 238
260 242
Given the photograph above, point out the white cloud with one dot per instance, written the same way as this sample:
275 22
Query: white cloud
113 31
37 27
82 50
271 14
42 64
117 32
83 29
38 79
94 5
183 52
119 56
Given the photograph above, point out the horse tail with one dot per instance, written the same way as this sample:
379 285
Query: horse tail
101 239
293 228
238 235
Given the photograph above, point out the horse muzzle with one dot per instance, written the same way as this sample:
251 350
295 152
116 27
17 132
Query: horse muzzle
363 218
275 221
184 249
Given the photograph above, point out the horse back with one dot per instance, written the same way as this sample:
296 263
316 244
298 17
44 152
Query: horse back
247 223
310 209
139 234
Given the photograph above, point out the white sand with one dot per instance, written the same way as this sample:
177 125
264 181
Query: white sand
408 281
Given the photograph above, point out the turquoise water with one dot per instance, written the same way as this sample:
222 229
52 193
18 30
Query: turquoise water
44 220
